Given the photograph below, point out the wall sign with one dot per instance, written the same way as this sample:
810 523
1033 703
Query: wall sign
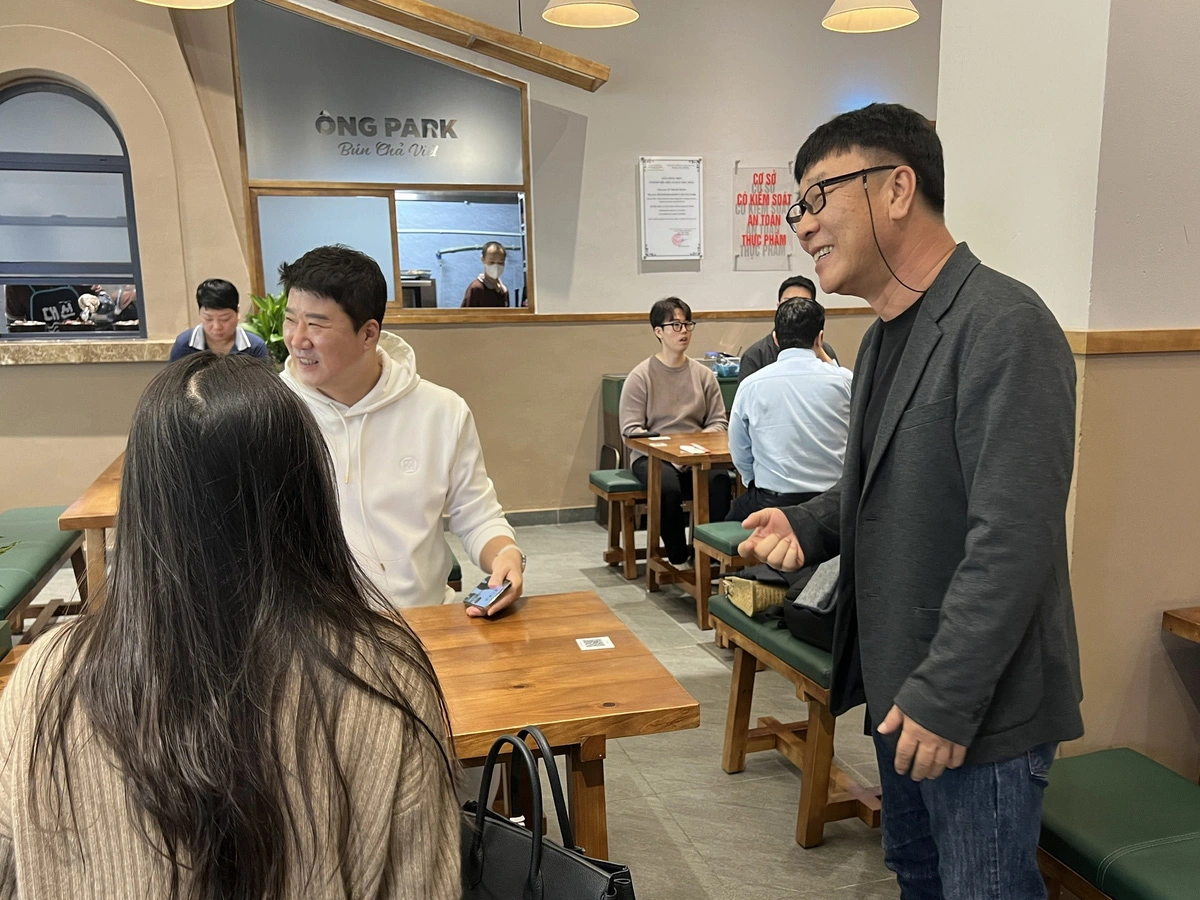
324 104
672 207
761 198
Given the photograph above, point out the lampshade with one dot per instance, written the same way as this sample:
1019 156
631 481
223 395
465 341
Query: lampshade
590 13
188 4
867 16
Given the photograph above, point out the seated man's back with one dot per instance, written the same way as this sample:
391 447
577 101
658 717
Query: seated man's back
790 420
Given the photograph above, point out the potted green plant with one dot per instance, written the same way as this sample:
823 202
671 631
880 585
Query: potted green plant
267 322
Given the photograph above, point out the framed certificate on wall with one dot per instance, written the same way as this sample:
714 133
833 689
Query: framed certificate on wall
672 190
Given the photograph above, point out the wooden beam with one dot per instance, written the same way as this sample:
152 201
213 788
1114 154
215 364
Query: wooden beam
480 37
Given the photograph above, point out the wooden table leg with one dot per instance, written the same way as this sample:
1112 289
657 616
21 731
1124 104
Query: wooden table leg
701 587
628 521
699 496
653 518
97 564
585 796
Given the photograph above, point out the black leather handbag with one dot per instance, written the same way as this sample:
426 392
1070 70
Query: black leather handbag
502 860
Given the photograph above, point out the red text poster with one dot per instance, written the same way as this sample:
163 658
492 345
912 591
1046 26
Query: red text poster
761 198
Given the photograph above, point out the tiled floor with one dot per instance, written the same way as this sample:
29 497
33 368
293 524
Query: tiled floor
687 830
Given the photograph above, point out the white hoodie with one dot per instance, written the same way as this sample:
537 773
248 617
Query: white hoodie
405 455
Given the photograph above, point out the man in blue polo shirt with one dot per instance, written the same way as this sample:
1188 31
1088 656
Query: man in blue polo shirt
790 420
218 330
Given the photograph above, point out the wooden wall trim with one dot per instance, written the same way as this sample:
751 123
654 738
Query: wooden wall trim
1137 340
452 316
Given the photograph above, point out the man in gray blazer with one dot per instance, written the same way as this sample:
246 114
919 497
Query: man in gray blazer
954 618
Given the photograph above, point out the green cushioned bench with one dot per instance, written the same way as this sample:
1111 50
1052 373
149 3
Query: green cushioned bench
1118 825
40 551
719 541
621 490
827 794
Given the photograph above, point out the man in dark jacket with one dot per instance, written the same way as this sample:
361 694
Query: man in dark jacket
765 351
954 617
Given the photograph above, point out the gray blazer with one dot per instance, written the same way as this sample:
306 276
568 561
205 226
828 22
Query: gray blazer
954 600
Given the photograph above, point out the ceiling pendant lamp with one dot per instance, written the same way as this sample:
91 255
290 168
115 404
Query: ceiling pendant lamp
188 4
868 16
590 13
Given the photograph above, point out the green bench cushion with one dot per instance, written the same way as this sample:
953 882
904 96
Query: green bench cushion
812 661
723 536
1125 823
616 481
455 569
39 547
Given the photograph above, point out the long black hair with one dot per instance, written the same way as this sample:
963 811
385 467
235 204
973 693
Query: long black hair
233 595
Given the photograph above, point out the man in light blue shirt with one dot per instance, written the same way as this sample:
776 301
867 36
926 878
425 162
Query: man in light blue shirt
790 420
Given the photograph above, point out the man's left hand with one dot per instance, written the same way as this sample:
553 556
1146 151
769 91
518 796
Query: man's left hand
919 749
505 567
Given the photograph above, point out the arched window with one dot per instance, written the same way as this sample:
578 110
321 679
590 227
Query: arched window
68 244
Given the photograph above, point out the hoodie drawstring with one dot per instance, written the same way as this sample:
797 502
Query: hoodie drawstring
362 503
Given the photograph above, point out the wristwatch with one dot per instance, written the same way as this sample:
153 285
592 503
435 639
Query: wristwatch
524 558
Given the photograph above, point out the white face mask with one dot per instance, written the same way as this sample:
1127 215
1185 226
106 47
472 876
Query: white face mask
494 271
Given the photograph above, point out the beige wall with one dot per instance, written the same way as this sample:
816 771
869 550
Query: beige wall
534 389
1134 554
127 56
711 78
1148 205
1021 131
60 426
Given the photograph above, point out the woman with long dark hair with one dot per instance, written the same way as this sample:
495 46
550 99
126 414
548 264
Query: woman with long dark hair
235 722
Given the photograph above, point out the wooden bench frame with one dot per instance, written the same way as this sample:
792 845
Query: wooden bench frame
622 523
827 793
705 554
1058 876
57 606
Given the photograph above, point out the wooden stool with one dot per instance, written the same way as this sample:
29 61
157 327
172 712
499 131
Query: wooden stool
39 550
621 490
719 541
827 794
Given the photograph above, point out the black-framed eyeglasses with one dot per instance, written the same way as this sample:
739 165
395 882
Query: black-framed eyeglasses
813 200
678 326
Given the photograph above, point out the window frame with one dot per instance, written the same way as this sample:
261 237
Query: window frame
52 273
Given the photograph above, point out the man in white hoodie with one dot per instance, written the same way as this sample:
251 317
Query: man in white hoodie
405 450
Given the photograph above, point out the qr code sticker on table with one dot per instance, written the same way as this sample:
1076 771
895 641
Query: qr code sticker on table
594 643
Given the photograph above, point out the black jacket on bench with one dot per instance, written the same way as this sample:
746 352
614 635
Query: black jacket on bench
954 600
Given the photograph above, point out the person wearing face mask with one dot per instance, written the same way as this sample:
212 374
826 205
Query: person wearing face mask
488 289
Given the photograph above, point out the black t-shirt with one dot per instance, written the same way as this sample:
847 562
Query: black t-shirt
891 348
44 303
763 353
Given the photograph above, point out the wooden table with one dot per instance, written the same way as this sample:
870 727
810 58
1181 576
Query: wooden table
659 570
1183 622
93 514
525 668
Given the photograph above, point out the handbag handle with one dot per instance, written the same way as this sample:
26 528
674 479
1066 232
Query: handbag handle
560 804
522 754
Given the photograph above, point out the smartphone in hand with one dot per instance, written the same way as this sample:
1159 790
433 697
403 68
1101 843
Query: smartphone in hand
483 596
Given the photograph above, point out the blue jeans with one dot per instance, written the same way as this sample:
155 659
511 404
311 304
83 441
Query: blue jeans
970 834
